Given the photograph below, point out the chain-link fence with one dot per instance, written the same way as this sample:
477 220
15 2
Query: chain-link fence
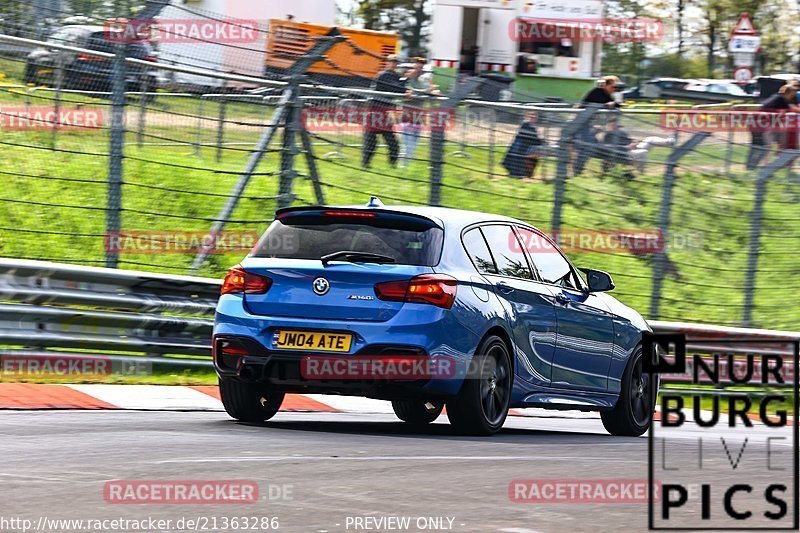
123 151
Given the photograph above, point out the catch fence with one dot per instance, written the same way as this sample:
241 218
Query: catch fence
141 167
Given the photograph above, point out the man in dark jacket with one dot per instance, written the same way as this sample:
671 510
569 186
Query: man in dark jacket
602 95
380 113
781 102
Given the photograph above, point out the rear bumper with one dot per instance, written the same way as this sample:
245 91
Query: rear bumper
417 330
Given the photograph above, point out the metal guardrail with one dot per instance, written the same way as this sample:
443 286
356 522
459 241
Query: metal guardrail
160 318
100 310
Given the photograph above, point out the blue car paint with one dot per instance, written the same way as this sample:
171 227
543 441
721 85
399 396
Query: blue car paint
570 348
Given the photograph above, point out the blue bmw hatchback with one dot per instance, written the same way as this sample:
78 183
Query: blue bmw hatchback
426 307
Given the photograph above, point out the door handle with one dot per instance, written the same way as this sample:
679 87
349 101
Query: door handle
504 287
562 298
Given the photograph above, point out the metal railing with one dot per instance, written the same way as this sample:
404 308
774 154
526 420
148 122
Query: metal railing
139 316
120 314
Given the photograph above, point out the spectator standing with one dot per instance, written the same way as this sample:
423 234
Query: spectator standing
602 95
783 101
380 119
417 82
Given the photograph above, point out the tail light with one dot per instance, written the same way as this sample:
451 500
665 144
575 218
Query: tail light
89 57
239 281
434 289
151 59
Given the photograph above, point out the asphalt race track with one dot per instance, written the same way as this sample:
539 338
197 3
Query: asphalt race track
319 472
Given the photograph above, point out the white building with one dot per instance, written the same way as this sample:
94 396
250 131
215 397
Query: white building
482 36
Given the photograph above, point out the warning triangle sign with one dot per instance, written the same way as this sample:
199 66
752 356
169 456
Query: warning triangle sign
744 26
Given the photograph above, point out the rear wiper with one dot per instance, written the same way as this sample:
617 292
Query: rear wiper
355 257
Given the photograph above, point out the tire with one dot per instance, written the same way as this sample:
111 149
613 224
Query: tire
417 412
481 406
633 413
249 402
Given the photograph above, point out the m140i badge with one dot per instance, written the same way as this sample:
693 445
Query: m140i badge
360 297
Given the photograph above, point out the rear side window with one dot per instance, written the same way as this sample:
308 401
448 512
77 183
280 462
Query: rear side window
315 237
478 252
507 252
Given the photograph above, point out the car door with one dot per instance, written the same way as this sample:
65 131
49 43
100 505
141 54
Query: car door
585 326
529 304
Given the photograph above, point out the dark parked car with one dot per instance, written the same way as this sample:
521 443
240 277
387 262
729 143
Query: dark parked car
654 88
84 71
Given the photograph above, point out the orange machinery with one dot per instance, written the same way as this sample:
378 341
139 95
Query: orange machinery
360 57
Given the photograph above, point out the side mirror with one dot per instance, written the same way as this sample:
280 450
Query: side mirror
598 280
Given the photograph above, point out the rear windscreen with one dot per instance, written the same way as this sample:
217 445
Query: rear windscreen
409 244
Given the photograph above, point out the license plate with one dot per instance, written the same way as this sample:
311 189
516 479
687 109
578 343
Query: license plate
315 341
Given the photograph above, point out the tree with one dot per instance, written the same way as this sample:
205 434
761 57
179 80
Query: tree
408 18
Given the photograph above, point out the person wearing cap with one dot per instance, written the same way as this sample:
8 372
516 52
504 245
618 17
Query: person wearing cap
380 121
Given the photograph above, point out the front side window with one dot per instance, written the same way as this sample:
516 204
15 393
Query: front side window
547 259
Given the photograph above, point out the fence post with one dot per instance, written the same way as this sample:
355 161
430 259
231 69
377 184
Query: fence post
289 148
223 104
117 137
660 264
450 105
564 144
143 97
784 158
296 71
57 103
199 131
311 162
492 128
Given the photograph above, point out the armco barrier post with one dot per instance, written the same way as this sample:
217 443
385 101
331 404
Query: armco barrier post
116 150
565 143
660 264
784 158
